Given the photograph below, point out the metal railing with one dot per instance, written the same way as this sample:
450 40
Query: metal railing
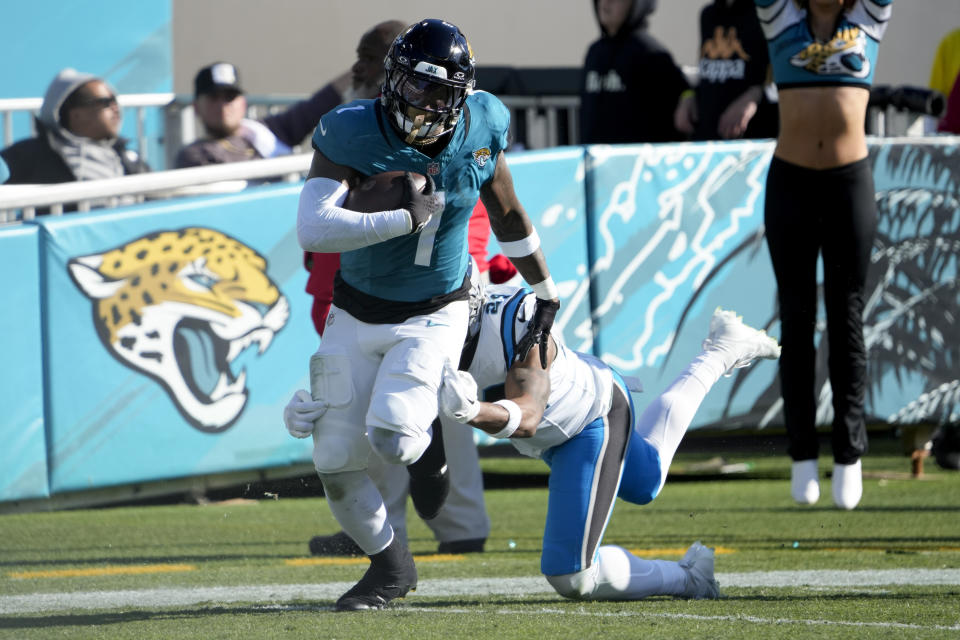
537 121
222 178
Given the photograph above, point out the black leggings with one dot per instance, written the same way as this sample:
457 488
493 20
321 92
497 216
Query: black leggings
807 211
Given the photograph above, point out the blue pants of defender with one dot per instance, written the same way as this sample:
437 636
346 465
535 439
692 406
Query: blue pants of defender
587 474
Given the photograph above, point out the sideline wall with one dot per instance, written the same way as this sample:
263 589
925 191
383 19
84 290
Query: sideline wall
163 340
23 458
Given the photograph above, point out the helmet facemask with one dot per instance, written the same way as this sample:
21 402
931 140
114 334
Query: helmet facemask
429 72
423 103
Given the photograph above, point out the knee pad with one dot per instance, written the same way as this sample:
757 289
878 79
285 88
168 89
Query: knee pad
338 442
609 577
405 397
576 586
398 448
339 450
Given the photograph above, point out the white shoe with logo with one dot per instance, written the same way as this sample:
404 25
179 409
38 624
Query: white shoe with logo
741 342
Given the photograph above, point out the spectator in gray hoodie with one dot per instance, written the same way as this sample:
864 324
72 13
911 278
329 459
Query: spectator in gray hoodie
77 136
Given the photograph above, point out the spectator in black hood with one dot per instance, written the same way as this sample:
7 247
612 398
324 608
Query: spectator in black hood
77 136
631 85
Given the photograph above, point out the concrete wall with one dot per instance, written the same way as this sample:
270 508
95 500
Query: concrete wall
294 46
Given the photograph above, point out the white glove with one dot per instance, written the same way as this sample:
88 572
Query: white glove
458 394
301 412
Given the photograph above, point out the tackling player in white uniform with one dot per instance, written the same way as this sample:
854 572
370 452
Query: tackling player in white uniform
578 416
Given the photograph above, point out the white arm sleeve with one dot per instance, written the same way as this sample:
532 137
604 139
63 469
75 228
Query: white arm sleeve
324 226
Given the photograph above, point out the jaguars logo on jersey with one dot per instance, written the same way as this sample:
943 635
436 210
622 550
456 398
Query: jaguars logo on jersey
480 156
180 306
844 54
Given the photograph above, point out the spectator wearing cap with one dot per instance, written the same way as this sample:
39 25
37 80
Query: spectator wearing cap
77 136
230 136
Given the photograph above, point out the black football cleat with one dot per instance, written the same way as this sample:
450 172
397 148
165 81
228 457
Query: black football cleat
338 544
391 575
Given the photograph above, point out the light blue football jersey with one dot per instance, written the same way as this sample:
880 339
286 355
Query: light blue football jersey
799 60
433 262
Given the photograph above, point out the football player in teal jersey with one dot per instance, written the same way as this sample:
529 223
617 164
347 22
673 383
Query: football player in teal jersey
400 303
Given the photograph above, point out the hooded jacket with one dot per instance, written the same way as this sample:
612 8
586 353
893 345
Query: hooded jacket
41 160
630 85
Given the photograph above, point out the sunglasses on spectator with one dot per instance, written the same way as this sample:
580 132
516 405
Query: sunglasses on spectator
99 103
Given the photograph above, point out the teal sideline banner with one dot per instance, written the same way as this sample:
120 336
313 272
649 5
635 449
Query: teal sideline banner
912 315
182 330
550 185
23 457
677 230
176 332
670 223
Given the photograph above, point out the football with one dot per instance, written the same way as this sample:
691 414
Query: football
380 192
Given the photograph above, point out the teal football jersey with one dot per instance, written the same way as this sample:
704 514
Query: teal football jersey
433 262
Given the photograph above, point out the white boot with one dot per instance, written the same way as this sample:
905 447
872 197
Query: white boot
847 485
804 482
741 342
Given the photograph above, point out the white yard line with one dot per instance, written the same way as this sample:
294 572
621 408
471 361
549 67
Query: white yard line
690 616
282 593
831 578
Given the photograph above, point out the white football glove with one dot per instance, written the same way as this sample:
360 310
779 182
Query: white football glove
458 394
301 412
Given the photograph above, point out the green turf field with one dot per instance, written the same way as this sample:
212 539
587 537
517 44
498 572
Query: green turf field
240 569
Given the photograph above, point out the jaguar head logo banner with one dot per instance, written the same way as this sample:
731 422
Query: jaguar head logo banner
180 306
